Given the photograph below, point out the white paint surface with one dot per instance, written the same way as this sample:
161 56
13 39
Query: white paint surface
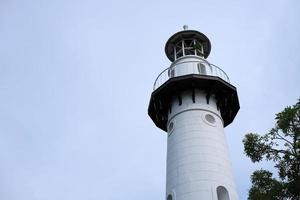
197 156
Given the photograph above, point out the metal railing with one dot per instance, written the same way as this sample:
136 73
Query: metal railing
194 67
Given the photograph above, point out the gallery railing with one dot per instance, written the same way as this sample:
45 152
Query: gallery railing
191 67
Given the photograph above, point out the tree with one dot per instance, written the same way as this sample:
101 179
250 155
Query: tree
282 146
264 187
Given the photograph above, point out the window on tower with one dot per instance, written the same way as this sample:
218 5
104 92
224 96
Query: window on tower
201 68
170 197
210 118
171 73
222 193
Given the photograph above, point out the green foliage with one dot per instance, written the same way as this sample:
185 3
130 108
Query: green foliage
282 146
265 187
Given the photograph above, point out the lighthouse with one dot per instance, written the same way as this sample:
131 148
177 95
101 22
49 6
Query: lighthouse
193 101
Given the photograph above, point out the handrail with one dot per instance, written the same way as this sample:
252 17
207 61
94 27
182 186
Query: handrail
158 78
210 70
227 78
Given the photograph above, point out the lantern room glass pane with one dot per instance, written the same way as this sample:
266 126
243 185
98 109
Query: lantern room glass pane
188 47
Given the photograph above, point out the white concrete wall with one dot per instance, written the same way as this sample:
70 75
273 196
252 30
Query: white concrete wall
188 65
197 156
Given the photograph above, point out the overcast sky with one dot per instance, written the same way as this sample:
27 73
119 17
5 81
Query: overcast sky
76 78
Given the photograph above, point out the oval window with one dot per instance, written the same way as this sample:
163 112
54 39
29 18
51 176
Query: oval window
211 119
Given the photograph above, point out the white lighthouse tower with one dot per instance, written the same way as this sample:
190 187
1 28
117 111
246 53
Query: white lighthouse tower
193 100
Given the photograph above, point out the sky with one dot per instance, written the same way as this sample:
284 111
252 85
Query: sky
76 79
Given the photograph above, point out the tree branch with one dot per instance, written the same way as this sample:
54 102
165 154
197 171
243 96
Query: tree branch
277 151
282 138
